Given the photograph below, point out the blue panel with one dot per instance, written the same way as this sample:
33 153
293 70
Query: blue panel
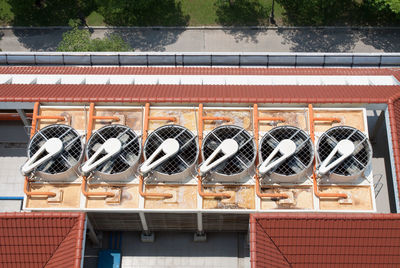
109 258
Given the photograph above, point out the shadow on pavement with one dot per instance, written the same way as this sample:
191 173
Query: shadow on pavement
39 40
149 39
319 40
382 39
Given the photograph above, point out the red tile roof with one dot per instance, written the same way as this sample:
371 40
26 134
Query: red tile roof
194 70
41 240
196 93
324 240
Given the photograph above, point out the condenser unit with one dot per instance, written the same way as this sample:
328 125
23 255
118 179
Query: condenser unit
286 155
112 153
54 153
343 154
228 154
170 154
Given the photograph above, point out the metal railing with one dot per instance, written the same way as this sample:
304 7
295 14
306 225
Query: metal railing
201 59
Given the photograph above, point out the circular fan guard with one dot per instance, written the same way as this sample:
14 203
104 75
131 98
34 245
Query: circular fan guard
242 160
186 156
126 158
299 161
355 163
70 155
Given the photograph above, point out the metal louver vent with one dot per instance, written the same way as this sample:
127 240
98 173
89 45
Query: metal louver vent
228 153
286 153
170 153
113 152
343 153
54 152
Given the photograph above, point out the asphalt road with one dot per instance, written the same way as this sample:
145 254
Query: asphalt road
221 39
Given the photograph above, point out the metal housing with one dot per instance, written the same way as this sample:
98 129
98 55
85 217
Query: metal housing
63 166
295 168
123 165
180 166
236 167
353 166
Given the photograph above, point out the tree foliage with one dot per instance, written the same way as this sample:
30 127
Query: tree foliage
142 12
79 40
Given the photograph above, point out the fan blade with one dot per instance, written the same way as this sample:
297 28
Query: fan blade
107 167
212 145
124 138
96 147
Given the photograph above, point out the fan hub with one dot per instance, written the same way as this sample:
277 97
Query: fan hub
112 146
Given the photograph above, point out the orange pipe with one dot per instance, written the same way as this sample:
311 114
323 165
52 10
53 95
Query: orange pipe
56 117
87 194
146 119
146 122
12 116
33 130
166 118
312 134
203 194
26 191
144 194
256 119
329 119
92 117
261 195
200 134
34 120
215 118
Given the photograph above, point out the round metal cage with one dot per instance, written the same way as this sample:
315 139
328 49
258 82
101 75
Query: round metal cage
175 167
241 162
67 160
121 164
357 162
295 165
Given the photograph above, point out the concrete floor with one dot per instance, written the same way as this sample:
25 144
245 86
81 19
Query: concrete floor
177 249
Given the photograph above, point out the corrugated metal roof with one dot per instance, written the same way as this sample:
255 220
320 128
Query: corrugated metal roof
41 239
196 93
194 70
324 240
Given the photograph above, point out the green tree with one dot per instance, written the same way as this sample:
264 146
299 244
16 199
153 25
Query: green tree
79 40
393 5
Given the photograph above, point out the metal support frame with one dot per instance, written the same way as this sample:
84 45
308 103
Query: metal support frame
377 126
23 117
92 233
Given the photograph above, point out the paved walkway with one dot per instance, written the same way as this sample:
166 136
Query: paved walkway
221 39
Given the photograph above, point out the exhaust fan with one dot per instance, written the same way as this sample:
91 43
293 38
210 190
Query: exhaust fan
343 153
113 153
54 153
228 152
286 154
170 153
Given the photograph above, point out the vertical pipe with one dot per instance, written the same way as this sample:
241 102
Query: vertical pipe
34 118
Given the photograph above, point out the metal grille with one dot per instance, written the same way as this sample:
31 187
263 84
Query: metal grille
359 159
187 154
242 160
299 161
127 157
70 155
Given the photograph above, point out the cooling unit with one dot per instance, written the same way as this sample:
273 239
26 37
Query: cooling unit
113 153
343 154
54 153
228 154
170 153
286 154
